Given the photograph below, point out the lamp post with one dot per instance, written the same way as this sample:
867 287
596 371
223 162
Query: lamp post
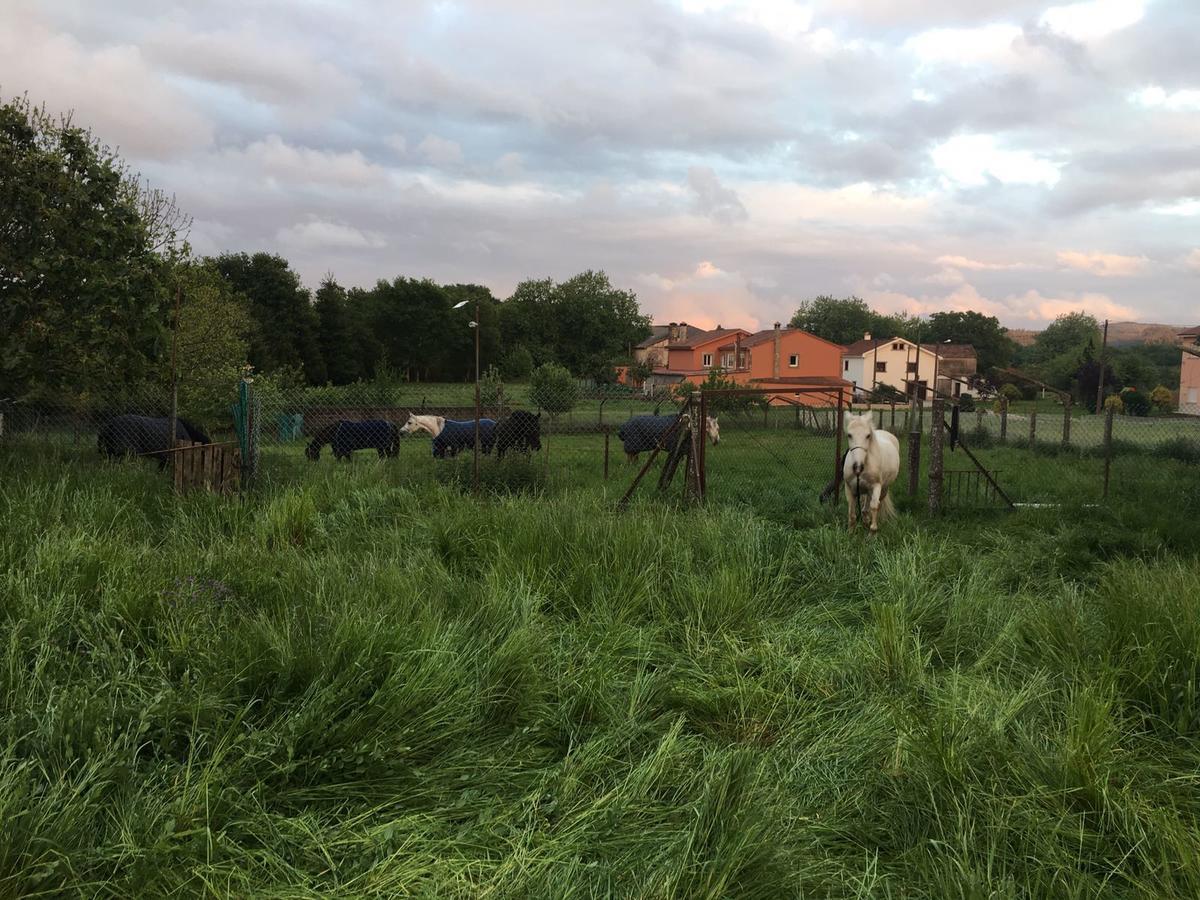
475 325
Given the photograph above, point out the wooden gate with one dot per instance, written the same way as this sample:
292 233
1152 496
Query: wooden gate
213 467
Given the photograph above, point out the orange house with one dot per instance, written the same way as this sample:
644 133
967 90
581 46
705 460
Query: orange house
797 367
1189 371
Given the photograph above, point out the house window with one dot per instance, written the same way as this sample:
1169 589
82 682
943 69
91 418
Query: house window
897 346
706 360
794 360
846 366
1191 395
912 367
880 367
957 389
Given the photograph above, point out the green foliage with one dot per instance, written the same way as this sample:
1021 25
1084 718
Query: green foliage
845 320
1010 392
337 334
491 388
1135 402
286 325
214 324
583 323
85 261
517 364
1068 334
993 346
1115 403
1162 398
554 389
966 403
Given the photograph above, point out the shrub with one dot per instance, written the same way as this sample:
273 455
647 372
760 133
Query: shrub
966 403
1114 403
1136 403
517 364
1162 398
553 389
491 388
1180 448
1010 392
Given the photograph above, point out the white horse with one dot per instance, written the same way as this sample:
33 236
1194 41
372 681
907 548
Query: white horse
871 465
431 424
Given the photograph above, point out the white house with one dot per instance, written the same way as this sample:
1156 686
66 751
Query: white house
898 362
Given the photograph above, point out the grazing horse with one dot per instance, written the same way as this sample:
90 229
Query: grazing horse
521 431
871 465
131 435
643 433
456 437
433 425
345 437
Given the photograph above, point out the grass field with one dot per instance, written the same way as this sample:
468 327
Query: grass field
359 681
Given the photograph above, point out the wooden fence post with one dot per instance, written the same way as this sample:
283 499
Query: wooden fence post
1108 438
1003 420
1032 427
914 461
936 434
1067 422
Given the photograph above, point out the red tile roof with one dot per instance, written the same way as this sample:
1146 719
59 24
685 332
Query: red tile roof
768 334
696 338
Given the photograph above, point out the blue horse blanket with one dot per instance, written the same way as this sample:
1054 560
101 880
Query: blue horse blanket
643 433
457 437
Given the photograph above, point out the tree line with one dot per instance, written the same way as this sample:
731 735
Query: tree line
97 283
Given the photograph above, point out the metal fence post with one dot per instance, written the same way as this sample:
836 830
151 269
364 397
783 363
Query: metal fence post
914 462
1003 420
702 449
1108 439
1067 422
936 435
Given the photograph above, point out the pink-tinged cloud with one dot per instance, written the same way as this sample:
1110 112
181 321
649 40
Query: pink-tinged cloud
1192 260
1030 307
976 265
707 297
1106 265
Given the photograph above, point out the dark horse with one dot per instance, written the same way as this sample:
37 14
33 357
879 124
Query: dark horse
131 435
520 431
346 437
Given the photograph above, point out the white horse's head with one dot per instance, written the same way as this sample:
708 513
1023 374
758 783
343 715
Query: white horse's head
409 426
713 429
861 431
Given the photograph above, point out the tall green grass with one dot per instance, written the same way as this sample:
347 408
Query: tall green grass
358 685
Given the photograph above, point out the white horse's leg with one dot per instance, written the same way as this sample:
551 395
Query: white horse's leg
851 502
875 491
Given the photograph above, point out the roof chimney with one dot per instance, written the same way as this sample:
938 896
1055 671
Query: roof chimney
866 335
778 341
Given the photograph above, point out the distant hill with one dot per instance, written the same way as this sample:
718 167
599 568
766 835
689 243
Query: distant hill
1118 333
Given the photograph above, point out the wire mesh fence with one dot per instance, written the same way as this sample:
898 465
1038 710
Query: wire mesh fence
773 450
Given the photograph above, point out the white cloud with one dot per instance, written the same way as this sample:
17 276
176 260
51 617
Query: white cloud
282 162
317 234
1192 260
784 18
963 46
440 151
971 159
1188 207
397 142
1106 265
1093 19
1155 96
963 262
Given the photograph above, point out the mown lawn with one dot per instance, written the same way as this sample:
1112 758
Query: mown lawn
360 681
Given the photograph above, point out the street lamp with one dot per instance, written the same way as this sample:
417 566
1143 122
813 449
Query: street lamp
475 324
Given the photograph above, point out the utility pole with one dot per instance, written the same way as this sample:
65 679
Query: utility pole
477 411
1100 385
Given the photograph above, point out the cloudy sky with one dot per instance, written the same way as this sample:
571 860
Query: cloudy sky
725 159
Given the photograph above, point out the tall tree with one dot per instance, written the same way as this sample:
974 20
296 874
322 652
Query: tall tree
528 319
1069 333
285 334
597 323
993 346
336 334
411 320
85 260
845 320
457 362
211 341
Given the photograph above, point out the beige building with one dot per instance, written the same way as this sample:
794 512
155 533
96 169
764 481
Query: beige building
904 366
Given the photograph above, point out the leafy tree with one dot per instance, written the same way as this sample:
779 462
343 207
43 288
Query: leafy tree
993 346
211 341
1162 398
1136 403
1068 334
845 320
336 334
528 319
1114 403
554 389
596 324
456 359
85 260
517 364
491 388
1010 392
286 324
411 319
966 403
